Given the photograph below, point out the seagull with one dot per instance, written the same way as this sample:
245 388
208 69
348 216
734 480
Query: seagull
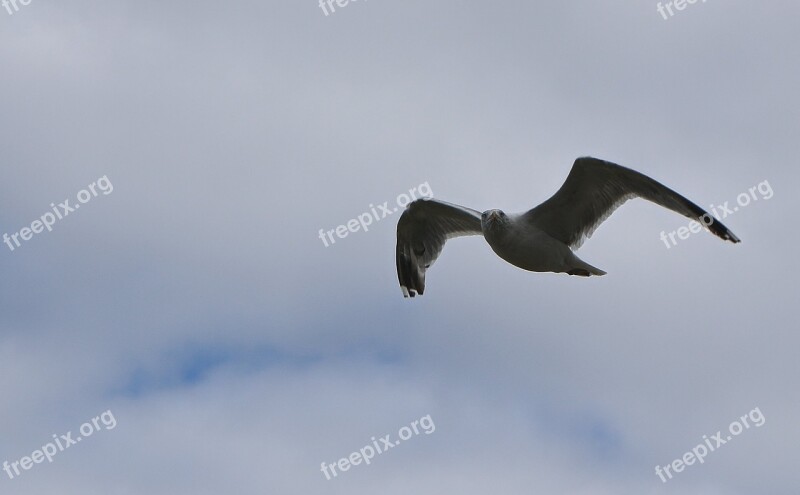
541 239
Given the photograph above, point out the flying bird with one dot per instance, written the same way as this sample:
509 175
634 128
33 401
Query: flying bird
541 239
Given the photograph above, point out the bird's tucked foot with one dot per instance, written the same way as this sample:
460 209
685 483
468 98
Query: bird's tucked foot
579 272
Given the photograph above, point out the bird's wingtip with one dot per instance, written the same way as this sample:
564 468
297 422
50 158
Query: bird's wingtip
409 292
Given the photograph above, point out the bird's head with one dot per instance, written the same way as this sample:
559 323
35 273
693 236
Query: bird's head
494 220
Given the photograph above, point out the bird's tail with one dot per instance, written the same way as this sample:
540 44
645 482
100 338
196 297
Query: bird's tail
596 271
584 269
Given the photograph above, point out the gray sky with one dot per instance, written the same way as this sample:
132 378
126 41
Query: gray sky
237 352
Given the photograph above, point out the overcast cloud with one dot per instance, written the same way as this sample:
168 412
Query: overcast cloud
237 352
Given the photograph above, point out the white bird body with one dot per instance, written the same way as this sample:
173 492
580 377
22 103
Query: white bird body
543 238
532 249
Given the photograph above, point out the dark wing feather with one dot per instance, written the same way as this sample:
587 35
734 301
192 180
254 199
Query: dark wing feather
422 230
594 189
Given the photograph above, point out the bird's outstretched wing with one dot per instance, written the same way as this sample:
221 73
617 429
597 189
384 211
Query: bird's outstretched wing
594 189
422 230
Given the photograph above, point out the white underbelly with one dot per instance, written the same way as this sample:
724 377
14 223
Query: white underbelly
536 253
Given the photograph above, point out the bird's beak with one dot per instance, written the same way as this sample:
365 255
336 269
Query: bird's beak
493 215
